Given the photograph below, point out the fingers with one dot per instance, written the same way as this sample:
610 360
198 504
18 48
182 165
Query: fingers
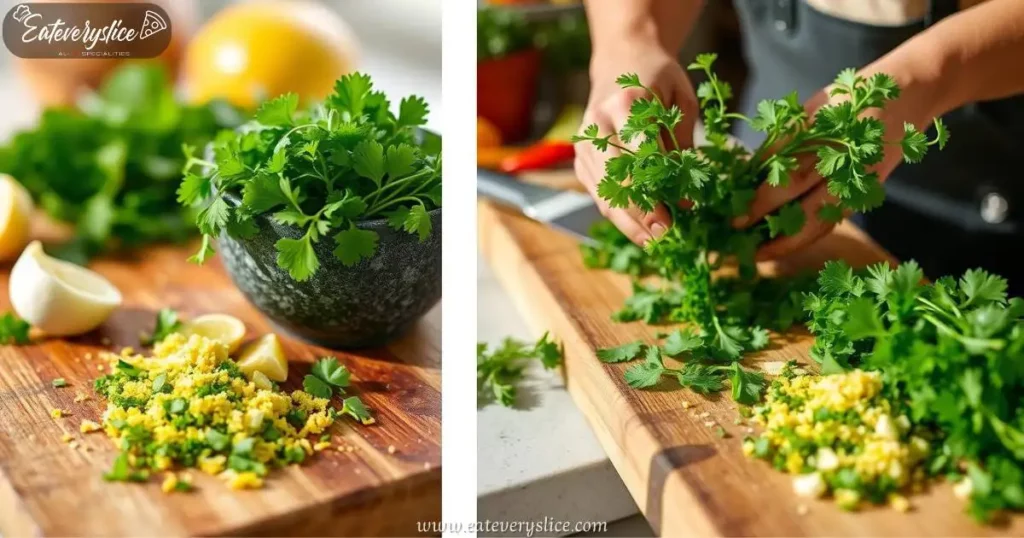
768 198
814 228
638 226
684 131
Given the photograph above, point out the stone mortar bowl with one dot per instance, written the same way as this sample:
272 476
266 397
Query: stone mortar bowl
365 305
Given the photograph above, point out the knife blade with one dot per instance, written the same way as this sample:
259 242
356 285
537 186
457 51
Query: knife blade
569 212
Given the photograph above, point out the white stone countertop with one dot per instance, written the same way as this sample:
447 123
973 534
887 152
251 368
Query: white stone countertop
541 460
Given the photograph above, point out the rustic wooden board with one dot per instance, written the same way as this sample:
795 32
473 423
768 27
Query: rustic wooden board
685 479
48 488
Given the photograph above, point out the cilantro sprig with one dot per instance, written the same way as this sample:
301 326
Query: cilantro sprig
950 353
716 183
14 330
349 160
328 375
499 371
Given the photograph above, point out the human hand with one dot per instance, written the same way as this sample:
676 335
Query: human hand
608 107
915 105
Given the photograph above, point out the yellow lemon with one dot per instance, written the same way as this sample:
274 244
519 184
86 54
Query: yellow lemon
61 298
257 50
223 328
15 217
265 356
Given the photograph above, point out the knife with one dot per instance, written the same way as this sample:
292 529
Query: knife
569 212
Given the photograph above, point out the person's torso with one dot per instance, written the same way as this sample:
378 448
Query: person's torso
802 44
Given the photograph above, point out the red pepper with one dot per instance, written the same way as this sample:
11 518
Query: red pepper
539 156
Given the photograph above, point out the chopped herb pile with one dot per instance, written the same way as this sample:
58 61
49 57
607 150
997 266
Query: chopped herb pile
841 437
950 354
190 406
321 172
499 371
111 166
718 181
14 330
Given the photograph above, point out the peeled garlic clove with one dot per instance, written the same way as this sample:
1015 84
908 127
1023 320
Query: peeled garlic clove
60 298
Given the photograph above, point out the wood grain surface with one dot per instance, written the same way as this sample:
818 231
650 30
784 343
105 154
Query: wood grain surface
686 480
48 488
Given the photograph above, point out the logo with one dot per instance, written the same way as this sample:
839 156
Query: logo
64 30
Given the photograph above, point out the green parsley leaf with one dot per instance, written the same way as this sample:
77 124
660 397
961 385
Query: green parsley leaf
354 244
330 371
278 112
644 375
297 257
354 407
317 387
623 353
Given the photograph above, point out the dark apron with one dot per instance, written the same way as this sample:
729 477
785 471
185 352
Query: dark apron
957 209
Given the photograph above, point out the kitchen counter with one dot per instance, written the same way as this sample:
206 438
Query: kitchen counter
541 460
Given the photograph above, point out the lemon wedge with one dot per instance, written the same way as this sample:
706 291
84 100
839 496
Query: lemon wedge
15 217
61 298
222 328
265 356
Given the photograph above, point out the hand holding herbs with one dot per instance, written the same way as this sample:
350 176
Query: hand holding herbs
717 182
351 159
499 371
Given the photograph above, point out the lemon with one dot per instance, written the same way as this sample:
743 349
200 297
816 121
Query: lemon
61 298
15 217
265 356
223 328
258 50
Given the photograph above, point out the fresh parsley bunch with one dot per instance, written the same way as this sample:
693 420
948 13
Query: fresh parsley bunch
718 180
110 167
951 353
351 159
498 371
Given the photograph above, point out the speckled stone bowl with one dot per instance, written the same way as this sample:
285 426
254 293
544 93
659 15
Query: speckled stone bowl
366 305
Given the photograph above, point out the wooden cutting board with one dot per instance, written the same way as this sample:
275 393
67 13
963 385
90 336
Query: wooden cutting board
389 482
685 479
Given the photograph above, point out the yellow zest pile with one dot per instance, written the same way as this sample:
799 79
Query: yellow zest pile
189 405
839 435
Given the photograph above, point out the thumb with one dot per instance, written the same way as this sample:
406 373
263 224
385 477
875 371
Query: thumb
684 130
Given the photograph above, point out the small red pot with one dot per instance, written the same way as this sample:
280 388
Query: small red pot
506 90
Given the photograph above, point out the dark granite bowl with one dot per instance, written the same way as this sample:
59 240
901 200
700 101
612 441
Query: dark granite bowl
365 305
